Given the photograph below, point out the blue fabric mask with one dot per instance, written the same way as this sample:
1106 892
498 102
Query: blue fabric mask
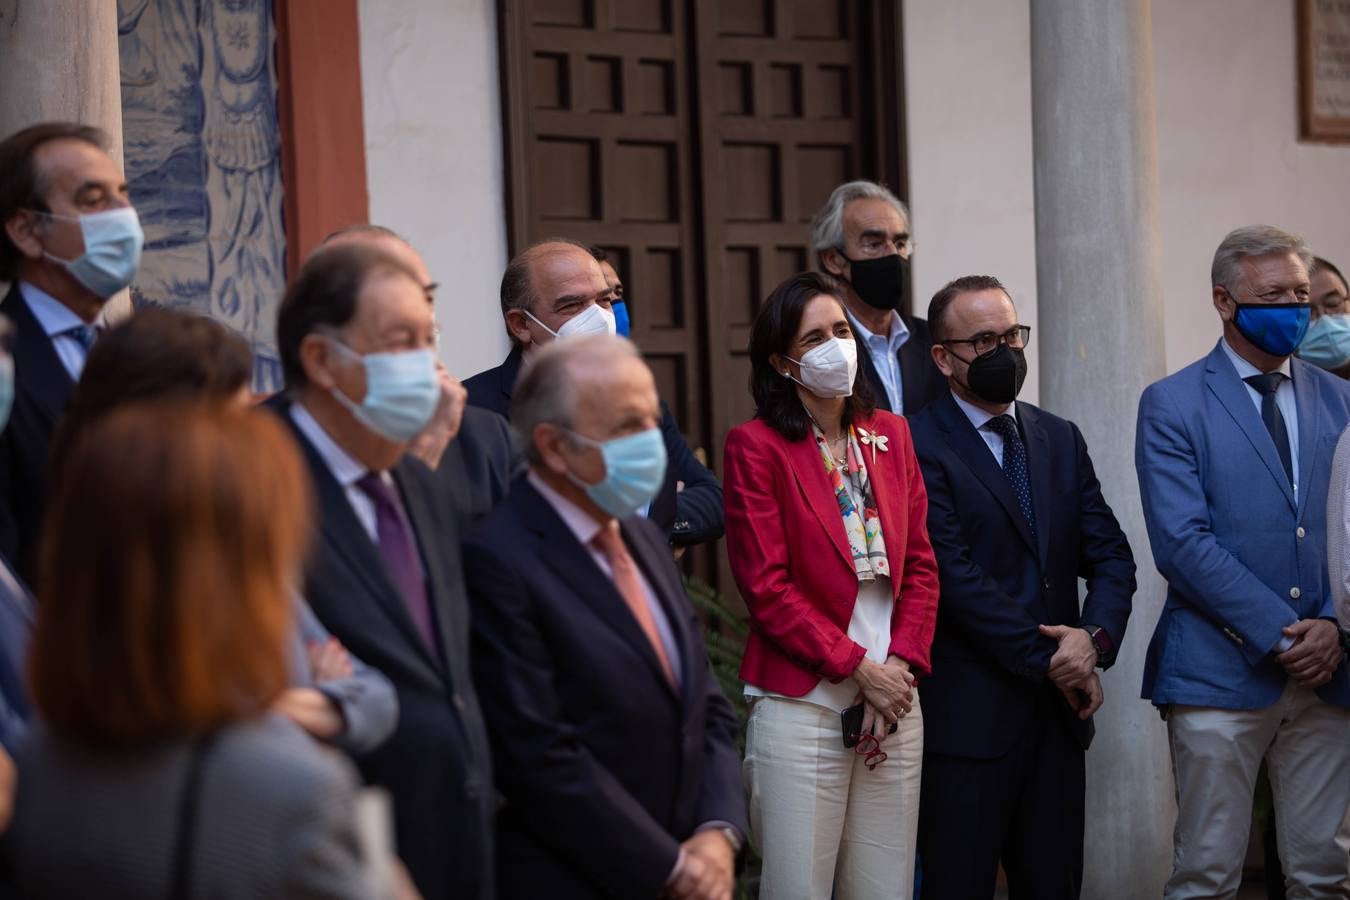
1327 343
1276 328
620 310
6 388
112 250
402 391
635 469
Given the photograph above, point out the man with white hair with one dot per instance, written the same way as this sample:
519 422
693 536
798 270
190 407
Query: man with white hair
615 751
1247 663
862 237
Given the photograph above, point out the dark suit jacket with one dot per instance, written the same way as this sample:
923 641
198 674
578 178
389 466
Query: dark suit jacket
920 381
603 766
989 660
692 516
478 465
42 389
436 764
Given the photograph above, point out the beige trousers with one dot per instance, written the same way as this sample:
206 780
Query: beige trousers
1215 757
821 820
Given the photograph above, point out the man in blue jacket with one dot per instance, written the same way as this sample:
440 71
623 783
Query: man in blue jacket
1234 455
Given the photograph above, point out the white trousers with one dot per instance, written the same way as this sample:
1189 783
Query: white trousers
1216 754
822 821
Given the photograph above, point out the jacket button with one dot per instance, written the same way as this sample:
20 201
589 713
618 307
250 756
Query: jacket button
458 700
1295 593
1045 583
1302 533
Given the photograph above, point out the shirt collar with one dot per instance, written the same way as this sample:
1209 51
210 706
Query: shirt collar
53 315
979 417
895 340
578 521
345 469
1245 369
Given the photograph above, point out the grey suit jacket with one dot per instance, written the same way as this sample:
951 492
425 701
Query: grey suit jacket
275 818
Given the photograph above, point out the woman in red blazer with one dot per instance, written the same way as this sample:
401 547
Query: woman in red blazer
825 522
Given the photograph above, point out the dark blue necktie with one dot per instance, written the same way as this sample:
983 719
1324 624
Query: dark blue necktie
1015 465
85 334
1266 385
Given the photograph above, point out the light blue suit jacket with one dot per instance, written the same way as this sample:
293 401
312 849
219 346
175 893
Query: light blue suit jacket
1242 557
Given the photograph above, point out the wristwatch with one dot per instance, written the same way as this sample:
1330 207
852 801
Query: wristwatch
733 838
1102 641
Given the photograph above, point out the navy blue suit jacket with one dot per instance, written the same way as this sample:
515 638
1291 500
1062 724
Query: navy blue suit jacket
42 389
1242 557
692 516
989 659
478 466
604 767
920 381
436 764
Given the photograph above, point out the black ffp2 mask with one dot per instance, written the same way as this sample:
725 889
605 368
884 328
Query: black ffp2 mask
879 282
997 377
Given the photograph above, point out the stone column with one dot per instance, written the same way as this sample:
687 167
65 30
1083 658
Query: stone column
1100 342
59 61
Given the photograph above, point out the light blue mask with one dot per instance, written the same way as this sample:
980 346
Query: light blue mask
6 388
635 469
112 250
402 390
1327 343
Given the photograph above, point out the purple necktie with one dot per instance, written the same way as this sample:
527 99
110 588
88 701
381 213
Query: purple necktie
400 554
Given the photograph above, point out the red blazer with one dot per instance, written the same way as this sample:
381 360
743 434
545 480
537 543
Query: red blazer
790 555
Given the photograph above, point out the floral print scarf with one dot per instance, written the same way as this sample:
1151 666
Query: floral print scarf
863 526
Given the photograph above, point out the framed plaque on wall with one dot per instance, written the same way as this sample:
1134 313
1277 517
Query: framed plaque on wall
1324 69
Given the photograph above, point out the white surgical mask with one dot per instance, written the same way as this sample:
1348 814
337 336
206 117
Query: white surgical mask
829 369
594 319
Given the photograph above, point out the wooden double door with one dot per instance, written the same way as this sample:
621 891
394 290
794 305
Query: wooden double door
694 140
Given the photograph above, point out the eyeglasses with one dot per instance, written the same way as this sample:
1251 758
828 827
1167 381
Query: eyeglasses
878 246
869 748
984 344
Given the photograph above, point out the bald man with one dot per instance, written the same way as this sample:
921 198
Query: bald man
615 750
556 289
469 448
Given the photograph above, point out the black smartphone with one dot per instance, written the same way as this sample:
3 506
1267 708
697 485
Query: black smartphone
851 720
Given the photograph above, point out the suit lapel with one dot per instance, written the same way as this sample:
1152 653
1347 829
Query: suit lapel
1308 403
349 543
974 452
38 369
426 534
1038 466
874 381
1223 380
914 363
560 550
510 373
809 470
883 489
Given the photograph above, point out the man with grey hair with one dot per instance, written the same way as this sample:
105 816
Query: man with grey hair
861 236
1247 662
615 749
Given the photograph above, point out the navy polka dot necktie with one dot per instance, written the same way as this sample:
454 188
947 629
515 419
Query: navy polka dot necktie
1015 465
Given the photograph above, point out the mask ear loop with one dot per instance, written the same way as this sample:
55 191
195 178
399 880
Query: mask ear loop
540 324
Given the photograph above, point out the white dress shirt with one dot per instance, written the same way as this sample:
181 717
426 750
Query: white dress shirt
584 527
57 321
980 418
884 350
1284 399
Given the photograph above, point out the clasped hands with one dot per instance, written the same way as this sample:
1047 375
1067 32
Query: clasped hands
887 692
1073 669
1316 653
